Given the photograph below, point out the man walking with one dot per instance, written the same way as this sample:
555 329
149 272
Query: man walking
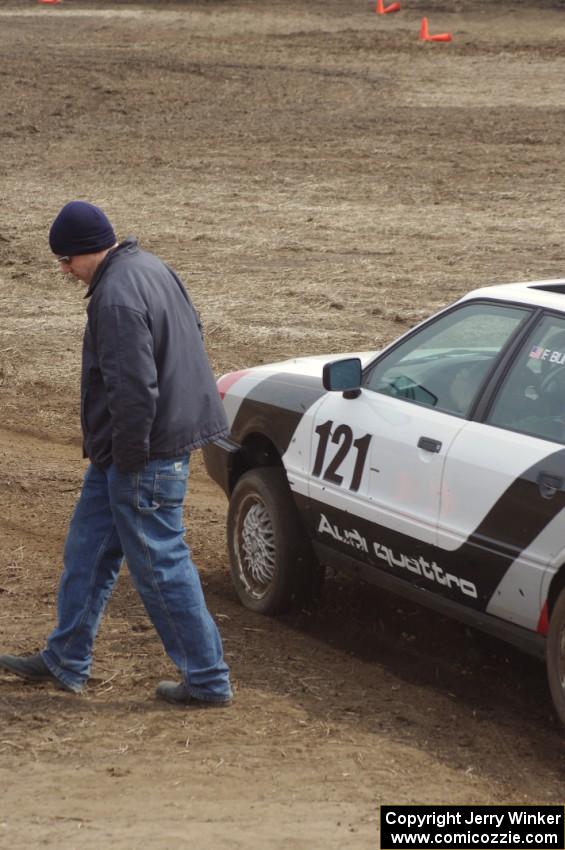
148 397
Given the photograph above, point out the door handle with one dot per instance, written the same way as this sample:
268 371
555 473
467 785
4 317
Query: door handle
429 444
549 485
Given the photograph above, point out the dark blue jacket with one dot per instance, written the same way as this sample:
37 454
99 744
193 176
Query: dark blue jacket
147 389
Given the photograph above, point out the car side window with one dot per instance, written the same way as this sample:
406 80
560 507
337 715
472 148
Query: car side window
444 364
532 398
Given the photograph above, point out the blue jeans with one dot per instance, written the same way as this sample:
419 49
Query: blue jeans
139 516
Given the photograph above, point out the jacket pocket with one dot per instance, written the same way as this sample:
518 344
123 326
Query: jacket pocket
83 406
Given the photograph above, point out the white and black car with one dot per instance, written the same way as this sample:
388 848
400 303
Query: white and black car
435 468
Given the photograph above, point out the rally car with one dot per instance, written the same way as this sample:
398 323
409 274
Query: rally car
434 468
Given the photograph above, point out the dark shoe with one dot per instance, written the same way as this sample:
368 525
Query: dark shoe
171 692
31 667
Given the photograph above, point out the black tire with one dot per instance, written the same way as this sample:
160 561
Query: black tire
555 656
271 559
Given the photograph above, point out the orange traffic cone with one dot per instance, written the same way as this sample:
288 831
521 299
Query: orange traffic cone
441 36
425 33
381 9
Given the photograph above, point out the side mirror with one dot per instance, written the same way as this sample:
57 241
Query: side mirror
343 376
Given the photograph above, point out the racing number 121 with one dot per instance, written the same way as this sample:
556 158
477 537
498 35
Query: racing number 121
342 436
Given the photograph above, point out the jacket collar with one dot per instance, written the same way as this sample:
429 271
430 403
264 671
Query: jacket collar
129 245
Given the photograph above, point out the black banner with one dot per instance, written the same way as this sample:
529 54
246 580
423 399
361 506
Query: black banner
473 827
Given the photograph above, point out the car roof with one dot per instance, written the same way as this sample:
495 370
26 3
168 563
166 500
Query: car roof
539 293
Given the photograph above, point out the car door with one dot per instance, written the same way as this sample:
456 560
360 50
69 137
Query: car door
503 492
377 460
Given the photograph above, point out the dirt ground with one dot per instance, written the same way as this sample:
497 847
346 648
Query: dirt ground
322 181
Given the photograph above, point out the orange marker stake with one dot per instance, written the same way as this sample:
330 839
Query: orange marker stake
424 30
425 33
381 9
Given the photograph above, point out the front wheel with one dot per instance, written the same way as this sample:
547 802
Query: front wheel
271 559
555 655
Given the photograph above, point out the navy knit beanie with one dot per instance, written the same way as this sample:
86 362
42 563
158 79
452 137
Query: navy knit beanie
80 228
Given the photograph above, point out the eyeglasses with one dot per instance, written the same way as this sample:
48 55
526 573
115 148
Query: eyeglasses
64 259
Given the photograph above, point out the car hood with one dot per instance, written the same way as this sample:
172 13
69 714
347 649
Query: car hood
311 365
